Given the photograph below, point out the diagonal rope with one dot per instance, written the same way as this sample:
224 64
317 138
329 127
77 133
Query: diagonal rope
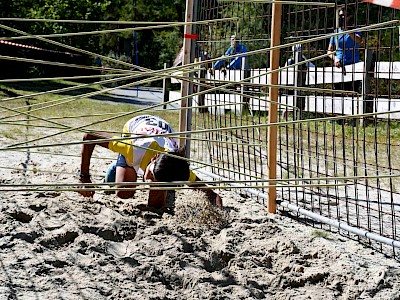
154 25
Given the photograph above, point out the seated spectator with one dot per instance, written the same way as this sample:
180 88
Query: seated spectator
235 63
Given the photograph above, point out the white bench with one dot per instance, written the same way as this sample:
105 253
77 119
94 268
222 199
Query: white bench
315 76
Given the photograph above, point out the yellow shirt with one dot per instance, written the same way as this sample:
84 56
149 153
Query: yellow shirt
138 152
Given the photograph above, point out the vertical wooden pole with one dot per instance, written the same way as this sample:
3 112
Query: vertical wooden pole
166 88
368 105
299 81
186 60
273 106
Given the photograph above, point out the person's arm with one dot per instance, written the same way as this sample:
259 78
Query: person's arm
232 64
212 196
236 63
86 155
331 53
229 51
331 48
357 38
218 64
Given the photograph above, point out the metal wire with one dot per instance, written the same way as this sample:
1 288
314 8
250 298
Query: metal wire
310 143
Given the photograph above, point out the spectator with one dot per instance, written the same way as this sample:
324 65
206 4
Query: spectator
347 49
235 63
347 53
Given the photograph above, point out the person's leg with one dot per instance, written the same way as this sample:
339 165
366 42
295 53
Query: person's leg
157 199
339 87
349 86
124 173
357 86
336 86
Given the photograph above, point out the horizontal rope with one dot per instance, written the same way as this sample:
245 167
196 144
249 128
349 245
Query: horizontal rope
241 181
58 78
125 138
113 22
35 171
137 146
166 188
61 154
322 4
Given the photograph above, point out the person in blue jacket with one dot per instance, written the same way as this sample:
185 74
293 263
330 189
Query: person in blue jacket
235 63
347 52
347 49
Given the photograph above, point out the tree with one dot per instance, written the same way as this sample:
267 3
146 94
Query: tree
155 46
162 44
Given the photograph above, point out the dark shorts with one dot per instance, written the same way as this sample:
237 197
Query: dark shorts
121 162
112 169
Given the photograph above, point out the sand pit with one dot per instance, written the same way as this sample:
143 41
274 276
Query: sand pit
59 245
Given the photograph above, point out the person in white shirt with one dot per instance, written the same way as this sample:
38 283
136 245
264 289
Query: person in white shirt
143 156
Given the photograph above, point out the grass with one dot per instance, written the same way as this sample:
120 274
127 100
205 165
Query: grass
13 133
342 150
310 149
320 234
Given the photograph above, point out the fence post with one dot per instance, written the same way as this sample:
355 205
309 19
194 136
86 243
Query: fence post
188 54
244 87
299 80
273 105
201 98
368 100
166 88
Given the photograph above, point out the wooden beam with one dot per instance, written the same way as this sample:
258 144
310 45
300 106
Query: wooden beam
273 97
187 42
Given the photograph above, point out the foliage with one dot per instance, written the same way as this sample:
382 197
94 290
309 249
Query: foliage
169 44
154 46
59 10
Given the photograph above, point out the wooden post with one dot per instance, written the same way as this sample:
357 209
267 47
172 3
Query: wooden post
273 106
166 88
187 43
201 98
369 68
299 81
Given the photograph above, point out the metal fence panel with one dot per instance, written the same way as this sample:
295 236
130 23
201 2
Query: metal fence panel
338 134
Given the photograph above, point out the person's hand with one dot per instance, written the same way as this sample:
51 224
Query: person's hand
337 62
85 193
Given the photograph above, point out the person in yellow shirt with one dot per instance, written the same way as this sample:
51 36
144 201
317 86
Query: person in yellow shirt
137 157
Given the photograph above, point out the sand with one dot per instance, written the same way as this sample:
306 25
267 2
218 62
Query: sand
59 245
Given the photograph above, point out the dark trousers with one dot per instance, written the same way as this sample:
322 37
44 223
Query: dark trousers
348 86
353 86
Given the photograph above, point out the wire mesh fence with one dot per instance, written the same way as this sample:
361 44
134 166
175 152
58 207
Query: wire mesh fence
338 129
